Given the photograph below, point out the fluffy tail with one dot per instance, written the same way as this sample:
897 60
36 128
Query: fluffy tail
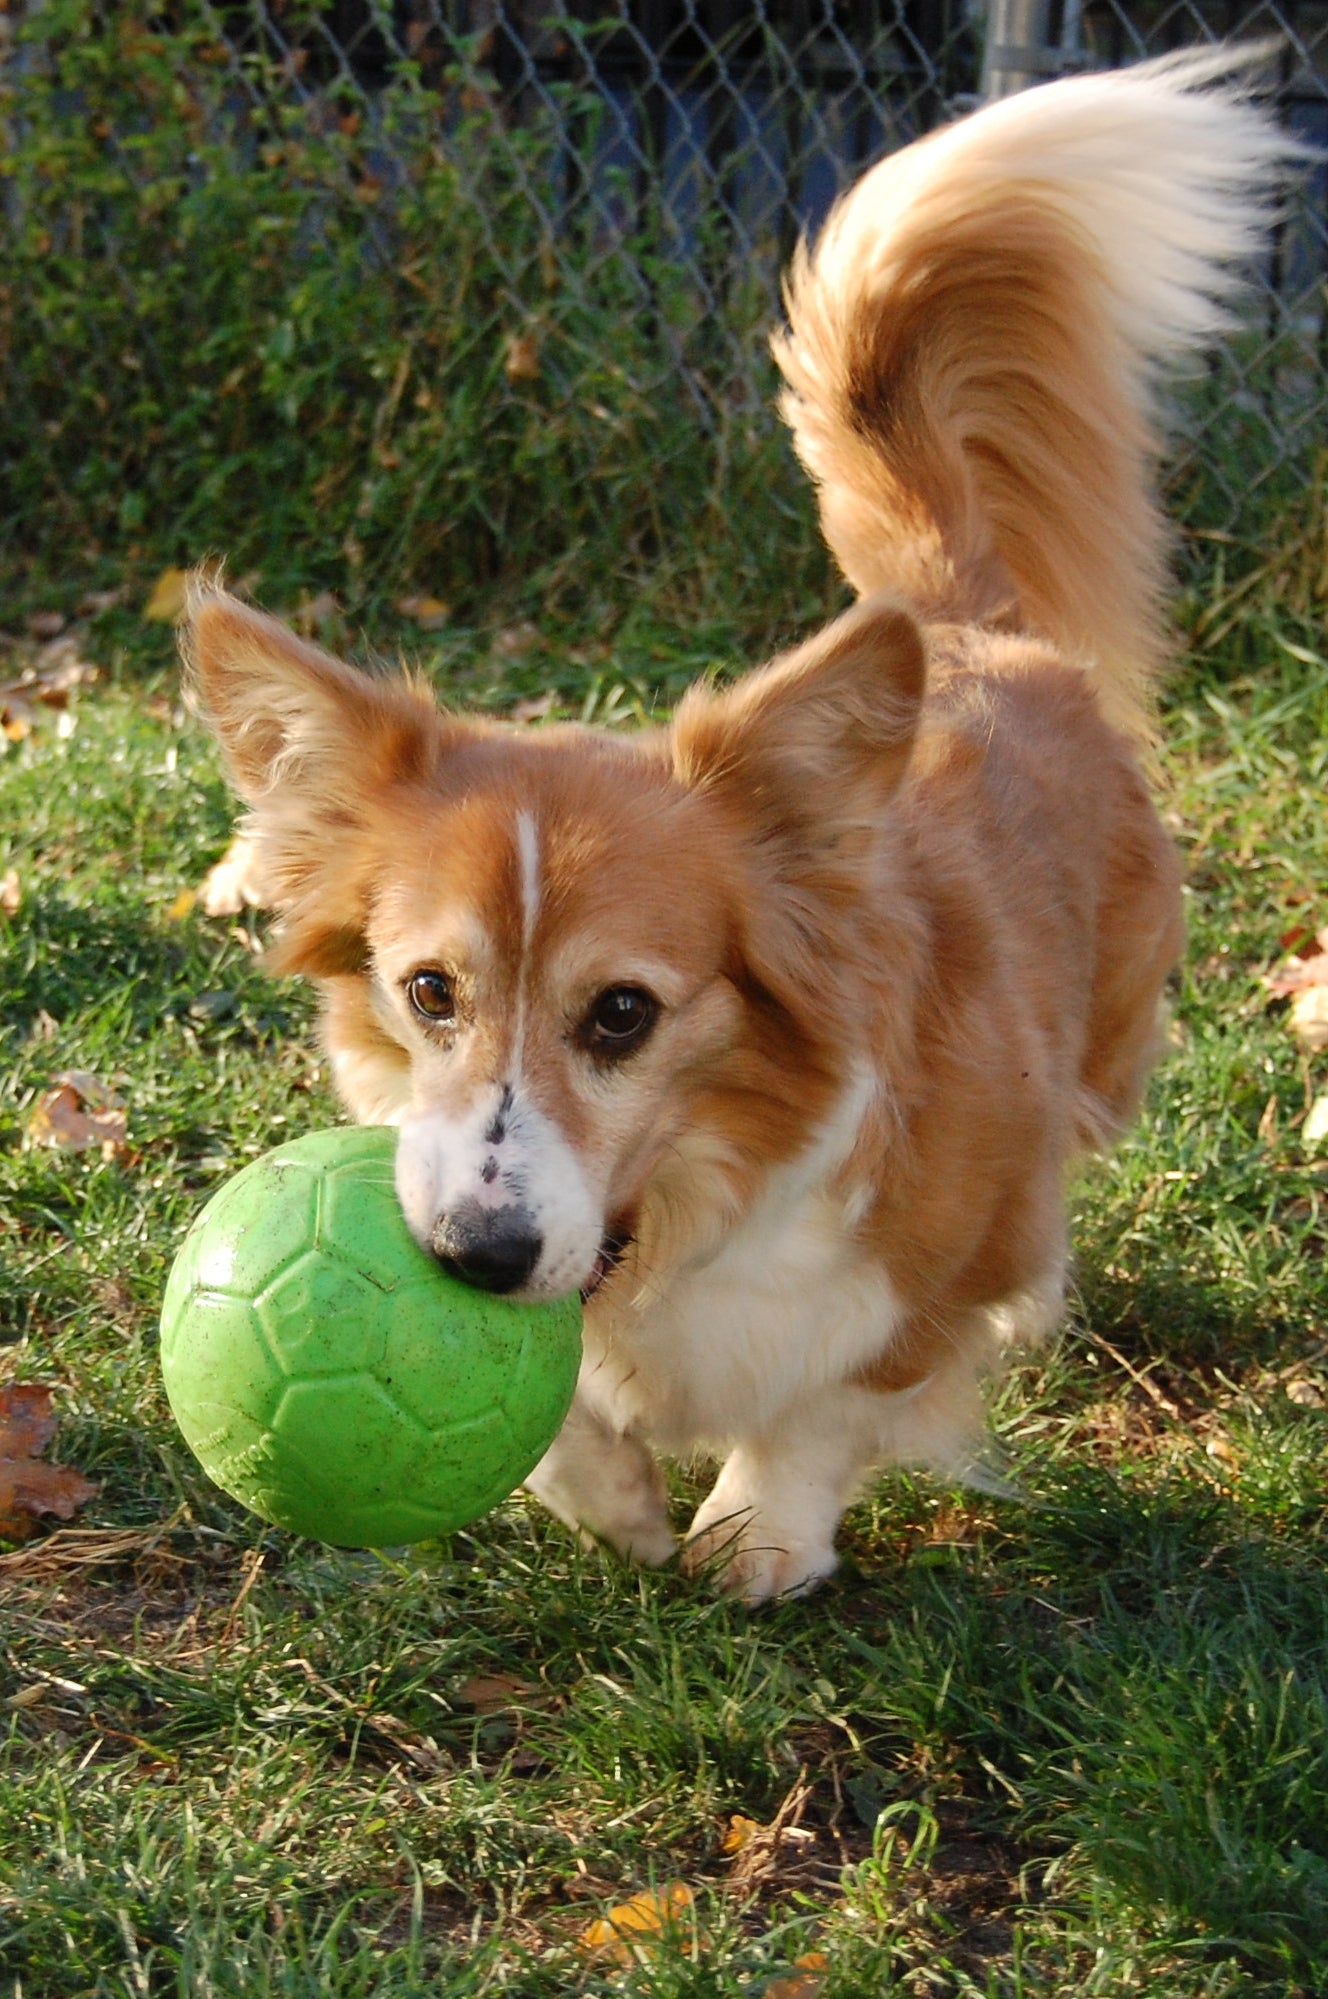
974 341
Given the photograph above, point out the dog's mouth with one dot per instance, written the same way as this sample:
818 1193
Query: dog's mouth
609 1255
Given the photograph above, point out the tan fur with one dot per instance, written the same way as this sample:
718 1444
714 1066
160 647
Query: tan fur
900 898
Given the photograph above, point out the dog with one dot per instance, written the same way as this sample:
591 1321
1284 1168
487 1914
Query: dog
775 1031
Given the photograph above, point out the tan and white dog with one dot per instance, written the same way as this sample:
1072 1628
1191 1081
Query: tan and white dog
773 1033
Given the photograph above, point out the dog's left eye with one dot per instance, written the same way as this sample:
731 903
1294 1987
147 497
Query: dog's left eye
430 993
619 1020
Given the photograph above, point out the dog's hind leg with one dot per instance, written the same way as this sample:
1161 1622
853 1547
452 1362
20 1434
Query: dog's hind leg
607 1486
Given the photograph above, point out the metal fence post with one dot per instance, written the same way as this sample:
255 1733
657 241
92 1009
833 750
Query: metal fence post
1028 41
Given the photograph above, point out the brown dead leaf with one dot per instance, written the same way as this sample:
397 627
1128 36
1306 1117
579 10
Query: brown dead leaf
46 624
29 1486
490 1693
166 604
630 1927
48 680
1306 966
514 640
521 358
429 613
11 893
808 1978
45 682
80 1114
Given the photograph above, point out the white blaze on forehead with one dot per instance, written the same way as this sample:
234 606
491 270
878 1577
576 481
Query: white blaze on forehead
528 873
528 857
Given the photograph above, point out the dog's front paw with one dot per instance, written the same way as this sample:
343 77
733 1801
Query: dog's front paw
608 1487
237 882
751 1558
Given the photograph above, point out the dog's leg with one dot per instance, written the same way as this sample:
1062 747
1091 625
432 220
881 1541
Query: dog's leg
607 1486
768 1526
237 881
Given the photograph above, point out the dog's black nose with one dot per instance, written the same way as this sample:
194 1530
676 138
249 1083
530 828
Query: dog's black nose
495 1249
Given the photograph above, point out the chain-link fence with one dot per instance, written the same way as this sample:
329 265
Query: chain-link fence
637 171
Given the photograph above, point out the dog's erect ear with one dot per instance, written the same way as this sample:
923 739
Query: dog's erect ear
801 757
308 742
288 715
808 749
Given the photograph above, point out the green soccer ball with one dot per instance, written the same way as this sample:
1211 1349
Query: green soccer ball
327 1373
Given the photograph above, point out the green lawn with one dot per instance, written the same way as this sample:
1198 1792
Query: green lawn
1072 1743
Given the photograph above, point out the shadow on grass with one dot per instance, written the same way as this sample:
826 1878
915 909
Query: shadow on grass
68 958
1142 1681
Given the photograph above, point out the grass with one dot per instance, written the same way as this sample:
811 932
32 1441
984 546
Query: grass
1070 1743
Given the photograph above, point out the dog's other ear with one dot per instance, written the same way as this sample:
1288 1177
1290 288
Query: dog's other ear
807 750
801 758
310 744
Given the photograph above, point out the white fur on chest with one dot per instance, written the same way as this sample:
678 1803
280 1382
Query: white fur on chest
789 1304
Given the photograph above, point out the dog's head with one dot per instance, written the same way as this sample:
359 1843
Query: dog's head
559 959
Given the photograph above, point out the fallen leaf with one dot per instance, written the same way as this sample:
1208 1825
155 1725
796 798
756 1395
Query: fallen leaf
166 604
182 905
513 640
629 1926
50 678
94 602
31 1695
1309 1017
46 624
429 613
29 1486
521 358
1307 964
807 1980
1306 1394
80 1114
741 1832
488 1693
11 893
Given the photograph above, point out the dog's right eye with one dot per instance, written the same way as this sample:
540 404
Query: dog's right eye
430 993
